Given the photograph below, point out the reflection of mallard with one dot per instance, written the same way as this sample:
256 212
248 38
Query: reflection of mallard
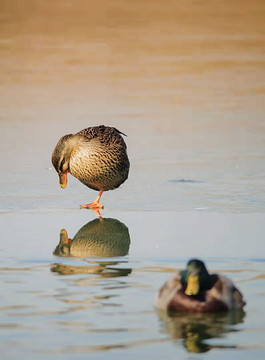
196 329
195 290
105 237
96 156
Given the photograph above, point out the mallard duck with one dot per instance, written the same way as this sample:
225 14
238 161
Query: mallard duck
195 290
97 156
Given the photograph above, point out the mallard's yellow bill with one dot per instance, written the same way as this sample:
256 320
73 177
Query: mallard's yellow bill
63 180
192 285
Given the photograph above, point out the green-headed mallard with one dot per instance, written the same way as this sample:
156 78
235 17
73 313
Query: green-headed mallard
195 290
96 156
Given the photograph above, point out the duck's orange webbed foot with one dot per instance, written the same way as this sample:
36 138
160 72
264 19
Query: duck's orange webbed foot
95 205
95 209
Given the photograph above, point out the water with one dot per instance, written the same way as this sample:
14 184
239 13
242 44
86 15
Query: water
187 87
98 306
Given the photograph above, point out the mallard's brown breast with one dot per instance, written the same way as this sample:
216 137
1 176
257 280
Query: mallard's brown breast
99 165
203 303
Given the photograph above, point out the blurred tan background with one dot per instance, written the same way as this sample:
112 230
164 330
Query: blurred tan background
79 58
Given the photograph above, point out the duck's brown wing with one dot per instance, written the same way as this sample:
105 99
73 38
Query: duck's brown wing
225 290
167 291
105 134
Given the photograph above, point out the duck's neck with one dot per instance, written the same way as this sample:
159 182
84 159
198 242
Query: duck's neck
206 281
71 142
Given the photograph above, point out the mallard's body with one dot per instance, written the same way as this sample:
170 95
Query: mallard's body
190 291
97 156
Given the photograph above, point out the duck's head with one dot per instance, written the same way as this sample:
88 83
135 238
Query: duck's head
61 158
196 278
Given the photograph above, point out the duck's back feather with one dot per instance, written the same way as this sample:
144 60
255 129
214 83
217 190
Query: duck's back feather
105 134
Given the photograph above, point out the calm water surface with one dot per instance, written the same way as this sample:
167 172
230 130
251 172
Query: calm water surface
187 87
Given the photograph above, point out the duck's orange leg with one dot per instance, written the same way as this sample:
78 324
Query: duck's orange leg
95 204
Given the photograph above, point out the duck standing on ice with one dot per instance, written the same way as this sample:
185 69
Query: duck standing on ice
96 156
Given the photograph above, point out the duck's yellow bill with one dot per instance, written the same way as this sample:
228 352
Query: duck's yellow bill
192 285
63 180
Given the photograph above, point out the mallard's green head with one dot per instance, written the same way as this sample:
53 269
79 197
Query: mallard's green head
196 278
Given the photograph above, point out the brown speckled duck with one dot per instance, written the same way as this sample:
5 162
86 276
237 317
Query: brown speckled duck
97 156
195 290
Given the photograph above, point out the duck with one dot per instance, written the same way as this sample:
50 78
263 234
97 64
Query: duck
195 290
96 156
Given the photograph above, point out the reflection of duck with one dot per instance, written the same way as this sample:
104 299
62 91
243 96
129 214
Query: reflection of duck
105 237
195 290
196 329
96 156
106 269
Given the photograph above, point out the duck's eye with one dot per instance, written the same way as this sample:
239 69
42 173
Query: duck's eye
61 165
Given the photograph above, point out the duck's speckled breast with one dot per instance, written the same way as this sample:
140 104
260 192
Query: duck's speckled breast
99 166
